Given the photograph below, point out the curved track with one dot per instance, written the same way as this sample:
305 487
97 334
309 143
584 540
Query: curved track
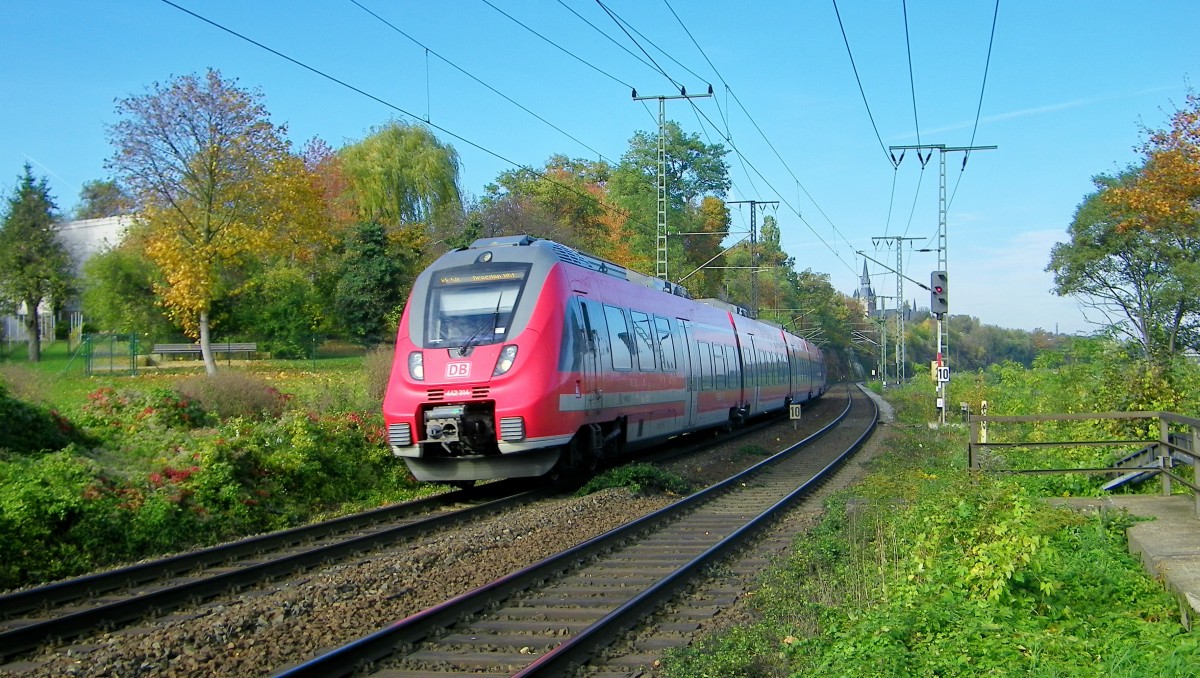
553 616
65 609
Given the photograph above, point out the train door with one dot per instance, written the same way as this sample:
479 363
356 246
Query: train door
593 349
689 368
753 369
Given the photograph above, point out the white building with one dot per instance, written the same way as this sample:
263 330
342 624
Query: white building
82 239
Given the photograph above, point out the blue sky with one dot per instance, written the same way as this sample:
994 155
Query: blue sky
1068 88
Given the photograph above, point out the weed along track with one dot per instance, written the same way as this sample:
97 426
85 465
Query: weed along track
553 616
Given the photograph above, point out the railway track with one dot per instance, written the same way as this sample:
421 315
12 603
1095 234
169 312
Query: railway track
550 618
57 612
62 610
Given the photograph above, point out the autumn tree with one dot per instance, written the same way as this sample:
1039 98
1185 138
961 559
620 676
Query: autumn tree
215 181
703 249
1164 195
1137 273
329 178
34 264
566 201
1131 254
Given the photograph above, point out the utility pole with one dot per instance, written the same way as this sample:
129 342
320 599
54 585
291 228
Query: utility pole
660 239
753 251
901 341
943 328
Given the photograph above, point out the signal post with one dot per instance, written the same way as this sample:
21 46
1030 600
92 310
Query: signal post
941 248
939 305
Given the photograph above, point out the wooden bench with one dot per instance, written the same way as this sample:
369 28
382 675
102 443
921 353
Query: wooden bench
228 348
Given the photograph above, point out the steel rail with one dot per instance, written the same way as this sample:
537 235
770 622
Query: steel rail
39 597
20 639
381 644
581 646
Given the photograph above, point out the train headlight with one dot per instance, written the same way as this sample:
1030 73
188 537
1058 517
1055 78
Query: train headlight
505 362
416 366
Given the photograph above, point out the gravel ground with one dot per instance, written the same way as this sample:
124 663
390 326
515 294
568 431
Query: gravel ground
267 628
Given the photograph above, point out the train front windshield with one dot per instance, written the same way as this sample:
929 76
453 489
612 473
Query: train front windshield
473 306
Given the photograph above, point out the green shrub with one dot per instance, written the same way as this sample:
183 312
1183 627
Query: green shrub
639 478
43 503
157 407
26 428
165 476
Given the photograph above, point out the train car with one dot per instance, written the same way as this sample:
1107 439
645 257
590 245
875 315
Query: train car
518 356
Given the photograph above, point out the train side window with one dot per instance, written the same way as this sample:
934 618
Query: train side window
589 334
666 342
718 366
594 325
570 354
619 341
706 370
643 339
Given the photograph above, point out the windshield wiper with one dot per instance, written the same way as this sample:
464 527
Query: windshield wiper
478 334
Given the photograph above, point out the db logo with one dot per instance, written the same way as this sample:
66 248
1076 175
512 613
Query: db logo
458 370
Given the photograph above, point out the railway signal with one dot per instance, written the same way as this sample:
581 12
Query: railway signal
939 303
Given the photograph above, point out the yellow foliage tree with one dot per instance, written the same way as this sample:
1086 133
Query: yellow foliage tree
1165 195
215 185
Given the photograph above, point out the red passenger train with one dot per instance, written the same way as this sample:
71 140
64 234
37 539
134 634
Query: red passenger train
516 356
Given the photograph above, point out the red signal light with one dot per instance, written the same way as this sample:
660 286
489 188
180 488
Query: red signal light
938 303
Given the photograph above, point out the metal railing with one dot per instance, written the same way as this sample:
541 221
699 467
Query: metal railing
1156 456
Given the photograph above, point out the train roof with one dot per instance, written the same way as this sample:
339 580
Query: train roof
574 257
570 255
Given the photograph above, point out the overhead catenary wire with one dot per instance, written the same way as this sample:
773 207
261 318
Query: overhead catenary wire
753 122
912 83
863 92
742 157
559 47
648 61
541 175
504 96
979 107
608 37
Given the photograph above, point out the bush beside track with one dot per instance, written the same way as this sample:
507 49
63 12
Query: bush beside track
162 463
